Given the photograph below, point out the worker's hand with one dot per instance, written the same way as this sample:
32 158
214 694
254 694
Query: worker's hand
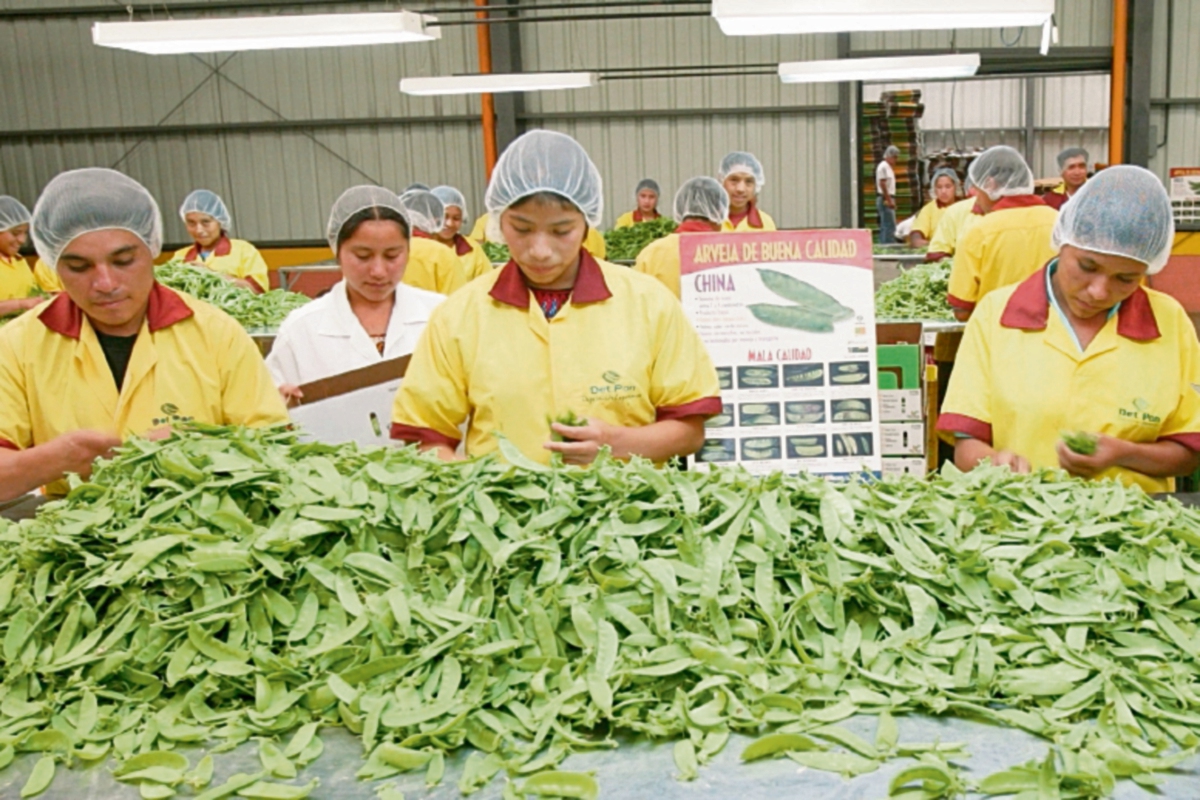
31 302
1108 452
1016 463
159 433
890 203
292 396
586 441
75 451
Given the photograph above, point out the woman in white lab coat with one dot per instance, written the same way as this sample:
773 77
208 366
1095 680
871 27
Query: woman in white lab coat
369 316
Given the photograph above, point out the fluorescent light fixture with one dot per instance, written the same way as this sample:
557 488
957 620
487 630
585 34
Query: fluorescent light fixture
208 35
497 82
878 70
766 17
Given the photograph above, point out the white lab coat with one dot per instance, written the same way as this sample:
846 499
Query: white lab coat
324 338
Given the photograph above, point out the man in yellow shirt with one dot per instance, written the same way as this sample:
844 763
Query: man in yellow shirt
555 333
1009 244
1082 346
470 254
431 265
701 205
117 354
1073 165
946 188
19 283
743 178
208 222
646 195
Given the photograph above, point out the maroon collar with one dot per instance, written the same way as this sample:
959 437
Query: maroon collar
420 234
696 226
751 215
461 246
223 247
1029 309
1018 201
590 287
164 309
638 216
977 209
940 204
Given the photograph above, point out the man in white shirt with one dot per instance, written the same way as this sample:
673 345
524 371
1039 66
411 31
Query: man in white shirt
885 194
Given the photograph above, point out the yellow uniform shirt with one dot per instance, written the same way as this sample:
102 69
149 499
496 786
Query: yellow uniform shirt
631 218
16 279
754 221
471 256
594 243
1007 246
432 266
660 260
928 218
1020 378
479 232
620 350
233 257
956 220
191 362
46 278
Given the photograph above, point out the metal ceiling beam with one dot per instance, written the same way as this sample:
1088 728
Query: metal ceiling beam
1018 60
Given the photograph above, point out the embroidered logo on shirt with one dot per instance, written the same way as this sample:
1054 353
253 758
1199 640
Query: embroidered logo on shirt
1139 412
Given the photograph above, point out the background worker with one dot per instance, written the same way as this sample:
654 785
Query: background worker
208 223
470 254
946 189
431 265
646 194
885 194
20 284
701 206
1073 166
742 176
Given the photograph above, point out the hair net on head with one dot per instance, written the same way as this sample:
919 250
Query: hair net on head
12 213
647 183
891 151
452 197
946 172
206 202
413 186
1072 153
426 212
356 199
704 198
1123 211
1001 172
546 161
739 163
94 199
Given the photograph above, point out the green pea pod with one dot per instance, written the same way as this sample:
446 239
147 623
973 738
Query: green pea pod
552 783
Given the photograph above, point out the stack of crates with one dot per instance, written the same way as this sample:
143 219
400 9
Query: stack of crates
894 120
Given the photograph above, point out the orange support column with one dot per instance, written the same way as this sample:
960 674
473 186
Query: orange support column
1116 124
483 38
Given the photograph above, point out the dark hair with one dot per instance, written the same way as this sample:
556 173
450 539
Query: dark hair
366 215
548 199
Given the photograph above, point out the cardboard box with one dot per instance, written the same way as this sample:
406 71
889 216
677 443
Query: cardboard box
905 465
902 438
899 366
901 405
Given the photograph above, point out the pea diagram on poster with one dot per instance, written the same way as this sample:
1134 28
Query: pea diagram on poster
789 320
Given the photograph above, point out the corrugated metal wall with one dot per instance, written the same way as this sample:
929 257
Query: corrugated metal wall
280 178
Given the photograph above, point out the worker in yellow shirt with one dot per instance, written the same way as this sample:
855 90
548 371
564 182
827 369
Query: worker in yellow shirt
1073 166
470 254
117 354
208 223
593 242
701 206
431 265
1082 346
946 188
556 333
956 220
646 195
1011 242
18 282
742 176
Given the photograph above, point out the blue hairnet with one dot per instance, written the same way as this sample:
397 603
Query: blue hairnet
647 183
739 163
946 172
1122 211
12 213
94 199
704 198
452 197
206 202
546 161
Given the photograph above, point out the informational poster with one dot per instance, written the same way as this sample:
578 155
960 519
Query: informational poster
1185 183
789 320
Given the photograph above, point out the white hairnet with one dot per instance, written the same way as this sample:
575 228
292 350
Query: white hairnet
546 161
356 199
452 197
946 172
1001 172
1072 153
647 183
738 163
206 202
425 210
1123 211
704 198
93 199
12 213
